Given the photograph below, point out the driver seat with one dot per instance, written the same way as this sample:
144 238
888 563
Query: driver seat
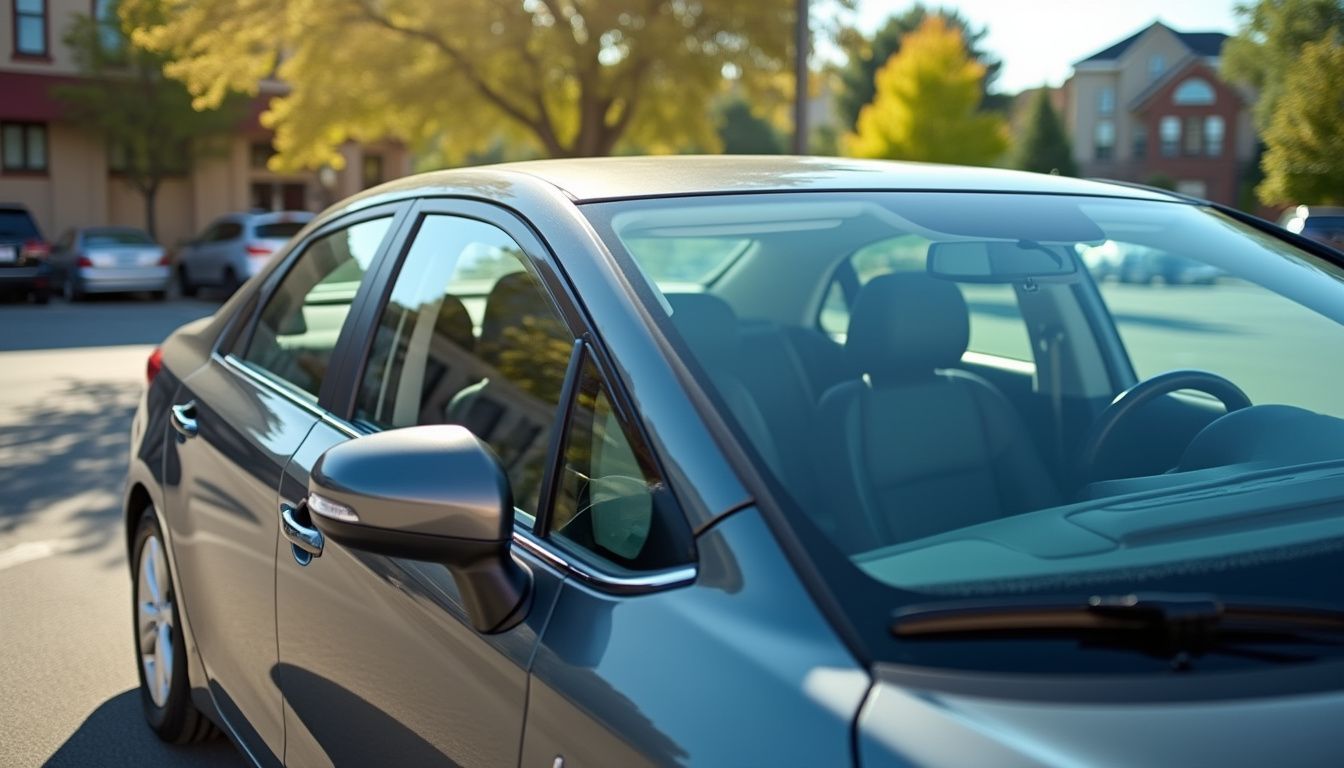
916 447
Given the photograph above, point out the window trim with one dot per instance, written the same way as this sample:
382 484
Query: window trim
45 16
25 169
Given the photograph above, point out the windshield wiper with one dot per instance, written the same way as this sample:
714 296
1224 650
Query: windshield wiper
1162 622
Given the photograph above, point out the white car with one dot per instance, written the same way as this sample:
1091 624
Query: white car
235 247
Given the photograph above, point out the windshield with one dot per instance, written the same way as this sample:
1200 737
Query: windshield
17 225
926 381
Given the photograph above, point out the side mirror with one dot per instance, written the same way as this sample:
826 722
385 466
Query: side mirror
433 493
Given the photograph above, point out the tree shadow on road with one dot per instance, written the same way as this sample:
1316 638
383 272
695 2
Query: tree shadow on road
66 460
115 734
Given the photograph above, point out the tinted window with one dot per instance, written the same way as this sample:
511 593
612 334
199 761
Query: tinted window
17 225
227 230
610 502
470 337
95 238
301 321
280 230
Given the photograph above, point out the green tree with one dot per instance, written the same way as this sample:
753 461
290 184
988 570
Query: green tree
744 133
1042 145
566 77
864 55
1304 156
927 105
1273 33
145 119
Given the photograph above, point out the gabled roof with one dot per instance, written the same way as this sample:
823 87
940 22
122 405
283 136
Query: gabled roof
1199 43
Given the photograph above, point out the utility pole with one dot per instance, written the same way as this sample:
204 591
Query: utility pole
802 42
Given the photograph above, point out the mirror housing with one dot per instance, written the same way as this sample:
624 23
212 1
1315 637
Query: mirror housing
434 493
998 261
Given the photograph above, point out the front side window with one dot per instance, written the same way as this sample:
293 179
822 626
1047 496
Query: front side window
30 27
841 350
470 336
297 330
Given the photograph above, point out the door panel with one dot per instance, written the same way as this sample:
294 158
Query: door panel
378 657
224 533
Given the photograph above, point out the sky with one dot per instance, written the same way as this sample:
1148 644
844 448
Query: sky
1038 40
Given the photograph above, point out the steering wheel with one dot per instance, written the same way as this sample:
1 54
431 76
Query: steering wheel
1131 400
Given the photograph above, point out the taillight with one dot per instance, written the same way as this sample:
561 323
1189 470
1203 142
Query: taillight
154 365
36 249
84 261
258 250
165 260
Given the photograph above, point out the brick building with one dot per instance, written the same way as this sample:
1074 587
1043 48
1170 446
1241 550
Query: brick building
1153 109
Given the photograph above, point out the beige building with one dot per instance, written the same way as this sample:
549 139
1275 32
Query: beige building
62 174
1153 107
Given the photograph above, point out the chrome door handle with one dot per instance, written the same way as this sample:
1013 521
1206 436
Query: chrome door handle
307 540
184 419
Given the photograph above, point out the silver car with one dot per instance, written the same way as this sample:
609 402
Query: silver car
235 247
109 260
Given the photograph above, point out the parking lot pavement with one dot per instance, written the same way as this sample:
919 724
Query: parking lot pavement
70 378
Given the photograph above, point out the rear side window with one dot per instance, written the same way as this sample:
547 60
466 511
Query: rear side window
302 319
228 230
281 230
997 327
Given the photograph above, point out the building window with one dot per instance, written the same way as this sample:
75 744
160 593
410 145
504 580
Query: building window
1192 187
1195 92
261 153
1104 146
1106 101
371 171
1140 142
24 147
1157 64
1193 138
1214 131
109 26
1169 131
30 27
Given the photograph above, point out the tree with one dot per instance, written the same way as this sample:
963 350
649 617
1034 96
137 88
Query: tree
1304 157
865 55
1043 146
568 77
744 133
1274 32
927 104
146 120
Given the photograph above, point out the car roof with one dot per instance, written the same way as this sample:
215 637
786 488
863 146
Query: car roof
610 178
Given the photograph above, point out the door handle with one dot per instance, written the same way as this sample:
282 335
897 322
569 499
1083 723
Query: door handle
306 540
184 419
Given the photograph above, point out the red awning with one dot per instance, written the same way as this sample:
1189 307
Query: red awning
27 96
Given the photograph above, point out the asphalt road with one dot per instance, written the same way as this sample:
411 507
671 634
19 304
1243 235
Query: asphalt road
70 378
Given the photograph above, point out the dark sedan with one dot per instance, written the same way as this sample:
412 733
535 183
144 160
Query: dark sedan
748 462
24 270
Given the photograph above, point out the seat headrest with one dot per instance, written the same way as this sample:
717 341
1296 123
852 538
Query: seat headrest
905 325
513 298
454 323
706 322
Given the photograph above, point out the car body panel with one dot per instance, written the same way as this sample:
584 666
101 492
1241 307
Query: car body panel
635 680
377 653
914 719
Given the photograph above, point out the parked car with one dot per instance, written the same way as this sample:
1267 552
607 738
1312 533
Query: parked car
645 503
24 270
110 260
234 248
1324 224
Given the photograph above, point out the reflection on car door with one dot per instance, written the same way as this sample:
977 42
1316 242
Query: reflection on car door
238 419
379 663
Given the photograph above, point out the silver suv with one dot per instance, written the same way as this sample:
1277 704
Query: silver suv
233 248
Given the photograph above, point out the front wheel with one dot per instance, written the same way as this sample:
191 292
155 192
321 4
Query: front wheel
161 653
184 284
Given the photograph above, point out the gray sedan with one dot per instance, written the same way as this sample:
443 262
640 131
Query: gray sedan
728 462
110 260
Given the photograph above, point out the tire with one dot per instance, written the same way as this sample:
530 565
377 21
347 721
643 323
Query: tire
41 296
231 282
167 705
184 284
158 295
70 291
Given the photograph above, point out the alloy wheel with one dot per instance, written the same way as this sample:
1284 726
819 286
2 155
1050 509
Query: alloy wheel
154 620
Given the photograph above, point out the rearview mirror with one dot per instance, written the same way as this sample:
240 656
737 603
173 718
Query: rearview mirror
432 493
998 261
